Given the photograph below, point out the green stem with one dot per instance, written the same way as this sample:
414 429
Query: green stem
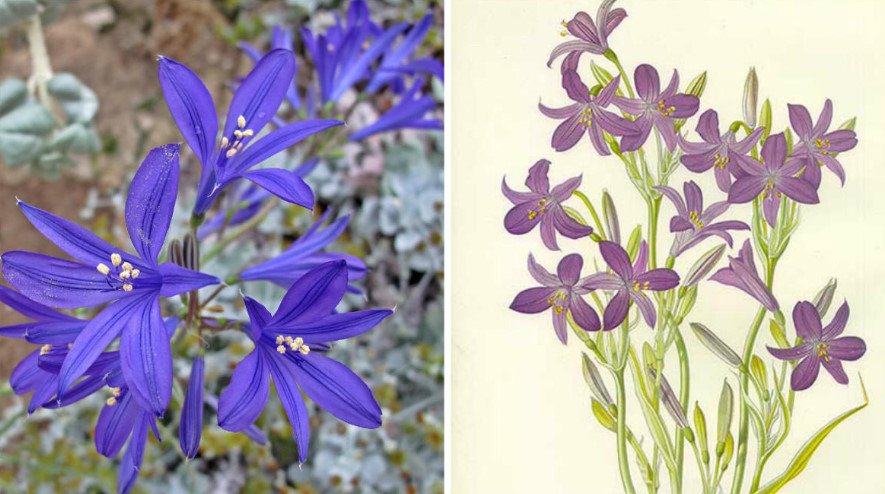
245 227
749 345
609 54
654 208
621 399
683 397
586 200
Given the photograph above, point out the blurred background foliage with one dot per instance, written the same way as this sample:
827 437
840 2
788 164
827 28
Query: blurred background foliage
74 157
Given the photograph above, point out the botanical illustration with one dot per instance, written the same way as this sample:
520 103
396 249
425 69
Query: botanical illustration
619 292
243 299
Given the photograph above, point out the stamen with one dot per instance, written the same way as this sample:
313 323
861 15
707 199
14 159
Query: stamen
45 349
248 133
111 401
281 349
241 121
696 219
125 275
103 269
127 287
116 259
115 392
224 142
280 340
126 267
135 273
231 152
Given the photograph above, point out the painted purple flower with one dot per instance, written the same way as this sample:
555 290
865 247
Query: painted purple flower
720 152
287 347
772 178
102 273
741 273
591 37
307 253
631 283
255 102
655 108
692 223
586 115
543 206
561 293
816 145
820 346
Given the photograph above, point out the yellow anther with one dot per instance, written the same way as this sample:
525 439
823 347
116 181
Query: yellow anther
126 267
563 33
125 275
564 24
532 214
111 401
224 142
241 121
248 133
298 341
280 340
696 219
304 349
45 349
116 259
115 392
281 349
231 152
135 273
127 287
103 269
238 134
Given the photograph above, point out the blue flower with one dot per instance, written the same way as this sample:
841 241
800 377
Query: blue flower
397 60
288 347
408 113
305 254
103 273
254 104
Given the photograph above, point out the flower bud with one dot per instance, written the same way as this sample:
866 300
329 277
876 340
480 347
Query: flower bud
700 425
726 413
716 345
765 119
594 381
610 214
824 297
702 267
751 98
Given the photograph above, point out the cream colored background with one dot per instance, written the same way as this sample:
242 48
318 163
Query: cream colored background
521 421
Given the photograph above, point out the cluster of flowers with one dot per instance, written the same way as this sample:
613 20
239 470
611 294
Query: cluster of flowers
776 172
80 357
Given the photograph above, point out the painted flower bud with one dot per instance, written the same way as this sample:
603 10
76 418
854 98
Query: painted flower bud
824 297
765 120
751 98
601 75
760 373
670 401
633 242
603 416
695 88
716 345
594 381
702 267
849 124
726 413
688 299
610 214
700 425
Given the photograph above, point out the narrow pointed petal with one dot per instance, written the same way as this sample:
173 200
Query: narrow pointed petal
76 241
177 279
708 127
659 279
337 389
646 309
115 423
28 308
641 261
151 201
532 300
278 140
569 269
290 396
284 184
259 96
847 348
674 197
96 336
56 282
648 84
130 464
616 310
568 133
560 326
146 357
540 274
314 296
805 373
834 367
617 259
800 119
54 333
837 325
807 321
798 190
27 374
794 353
601 281
259 317
745 189
566 225
191 107
190 428
244 398
548 232
355 71
584 315
336 326
519 219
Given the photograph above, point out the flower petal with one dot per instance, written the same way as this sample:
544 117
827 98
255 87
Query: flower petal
659 279
191 106
314 296
146 357
28 308
616 258
834 367
336 326
355 71
745 189
190 427
616 310
115 422
276 141
648 85
259 317
541 275
151 201
847 348
584 315
601 281
519 219
798 190
244 398
293 403
805 373
569 269
708 127
130 464
646 308
800 119
261 92
337 389
568 133
532 300
806 321
837 325
794 353
177 279
76 241
284 184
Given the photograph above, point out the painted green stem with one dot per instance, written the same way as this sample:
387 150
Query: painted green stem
621 400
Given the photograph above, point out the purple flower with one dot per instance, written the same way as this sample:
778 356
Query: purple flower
47 326
655 108
692 222
305 254
543 206
816 145
396 60
741 273
102 273
280 39
586 114
631 283
190 427
254 104
561 293
591 37
408 113
820 346
720 152
772 178
287 347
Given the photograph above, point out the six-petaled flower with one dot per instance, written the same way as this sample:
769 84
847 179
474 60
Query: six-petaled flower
692 223
817 147
722 152
592 37
741 273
